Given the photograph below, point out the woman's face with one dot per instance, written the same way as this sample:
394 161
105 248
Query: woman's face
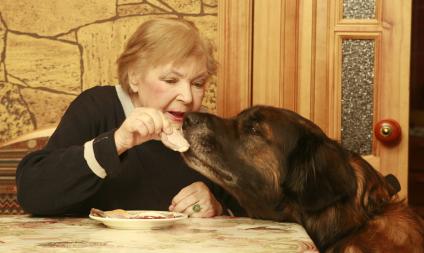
172 89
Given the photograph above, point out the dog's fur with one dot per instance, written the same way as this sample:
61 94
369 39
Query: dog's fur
281 166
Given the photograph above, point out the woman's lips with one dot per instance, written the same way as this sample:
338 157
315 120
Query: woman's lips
176 116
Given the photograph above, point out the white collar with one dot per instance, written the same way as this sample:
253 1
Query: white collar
125 100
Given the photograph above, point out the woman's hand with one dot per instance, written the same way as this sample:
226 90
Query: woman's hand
196 200
141 125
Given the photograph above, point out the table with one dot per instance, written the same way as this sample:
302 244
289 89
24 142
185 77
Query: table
23 233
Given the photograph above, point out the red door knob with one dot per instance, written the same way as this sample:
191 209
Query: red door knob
387 131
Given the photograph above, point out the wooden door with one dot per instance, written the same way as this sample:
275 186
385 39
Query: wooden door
344 64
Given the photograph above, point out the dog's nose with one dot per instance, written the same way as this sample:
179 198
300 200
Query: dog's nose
191 119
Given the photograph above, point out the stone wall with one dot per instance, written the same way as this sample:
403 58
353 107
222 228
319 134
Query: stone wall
51 50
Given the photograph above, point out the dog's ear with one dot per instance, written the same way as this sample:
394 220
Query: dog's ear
319 173
378 189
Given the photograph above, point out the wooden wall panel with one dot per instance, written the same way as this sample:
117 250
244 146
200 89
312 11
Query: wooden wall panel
234 56
268 47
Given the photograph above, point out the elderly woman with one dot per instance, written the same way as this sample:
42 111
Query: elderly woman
106 152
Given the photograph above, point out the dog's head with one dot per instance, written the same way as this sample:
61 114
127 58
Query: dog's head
266 155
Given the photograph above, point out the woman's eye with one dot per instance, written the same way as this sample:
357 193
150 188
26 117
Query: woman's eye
199 84
170 81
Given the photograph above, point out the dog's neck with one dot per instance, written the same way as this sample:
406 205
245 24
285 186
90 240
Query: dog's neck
329 229
341 236
327 226
265 211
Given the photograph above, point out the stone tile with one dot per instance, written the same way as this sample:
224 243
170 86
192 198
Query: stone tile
14 115
209 99
2 48
208 25
158 4
130 1
71 37
127 10
210 10
102 44
2 35
210 7
211 2
44 63
185 6
2 73
16 81
47 107
54 16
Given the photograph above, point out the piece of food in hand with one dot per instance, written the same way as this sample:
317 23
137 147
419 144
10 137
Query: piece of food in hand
175 140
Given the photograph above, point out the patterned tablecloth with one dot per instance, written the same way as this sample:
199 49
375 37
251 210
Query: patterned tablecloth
22 233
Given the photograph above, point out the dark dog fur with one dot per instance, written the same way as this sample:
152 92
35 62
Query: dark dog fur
281 166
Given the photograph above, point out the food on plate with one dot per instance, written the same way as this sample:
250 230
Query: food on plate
122 214
117 213
175 140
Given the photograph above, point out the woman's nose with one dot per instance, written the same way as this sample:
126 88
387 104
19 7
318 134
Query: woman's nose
184 93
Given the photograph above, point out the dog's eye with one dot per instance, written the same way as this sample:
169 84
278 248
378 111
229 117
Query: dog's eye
253 129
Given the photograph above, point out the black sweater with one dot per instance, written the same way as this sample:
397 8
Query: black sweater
58 181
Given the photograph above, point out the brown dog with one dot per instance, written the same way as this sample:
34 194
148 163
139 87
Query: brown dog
281 166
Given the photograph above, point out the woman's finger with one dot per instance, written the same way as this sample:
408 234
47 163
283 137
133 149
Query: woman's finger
166 128
197 210
183 204
141 128
148 122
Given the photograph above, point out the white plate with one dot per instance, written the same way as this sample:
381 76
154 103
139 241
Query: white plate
140 223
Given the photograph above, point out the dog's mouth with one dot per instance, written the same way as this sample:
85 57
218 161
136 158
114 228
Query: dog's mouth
205 167
203 157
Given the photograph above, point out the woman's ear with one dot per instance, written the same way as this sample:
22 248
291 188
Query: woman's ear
133 81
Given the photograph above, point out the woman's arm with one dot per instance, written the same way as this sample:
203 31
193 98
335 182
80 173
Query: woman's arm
55 182
60 178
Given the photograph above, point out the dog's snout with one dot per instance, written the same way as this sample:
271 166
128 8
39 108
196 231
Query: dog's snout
191 119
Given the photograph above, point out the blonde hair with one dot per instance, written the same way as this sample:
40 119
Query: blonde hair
163 40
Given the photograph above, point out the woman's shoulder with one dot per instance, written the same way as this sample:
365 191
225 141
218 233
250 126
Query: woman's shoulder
98 94
98 98
100 91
